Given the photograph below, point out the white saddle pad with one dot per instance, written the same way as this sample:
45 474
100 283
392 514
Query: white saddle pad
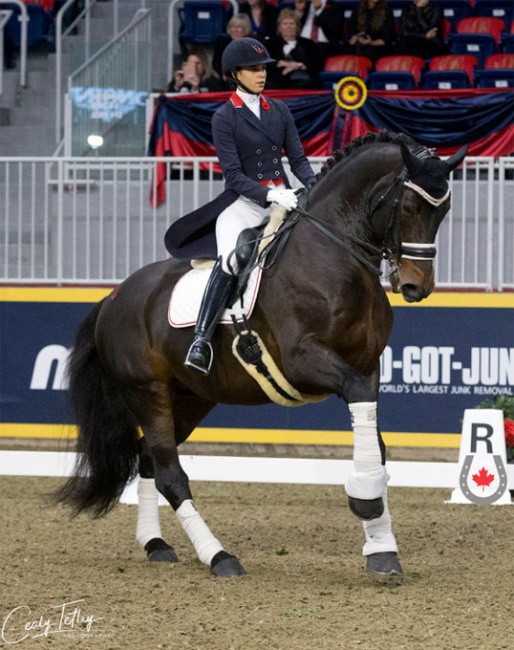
188 292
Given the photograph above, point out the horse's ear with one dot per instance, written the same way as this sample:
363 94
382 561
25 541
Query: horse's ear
413 164
457 158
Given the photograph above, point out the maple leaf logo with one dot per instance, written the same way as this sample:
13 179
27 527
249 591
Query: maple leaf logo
483 478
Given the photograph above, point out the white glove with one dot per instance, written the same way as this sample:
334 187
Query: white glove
285 198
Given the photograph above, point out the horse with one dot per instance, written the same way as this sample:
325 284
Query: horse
323 317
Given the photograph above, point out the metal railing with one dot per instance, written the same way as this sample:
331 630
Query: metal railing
110 89
24 19
90 221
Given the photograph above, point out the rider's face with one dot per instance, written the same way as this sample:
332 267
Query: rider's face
254 77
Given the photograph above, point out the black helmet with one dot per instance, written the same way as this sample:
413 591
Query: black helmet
243 53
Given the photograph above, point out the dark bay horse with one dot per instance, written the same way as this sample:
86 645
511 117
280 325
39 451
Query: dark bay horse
323 316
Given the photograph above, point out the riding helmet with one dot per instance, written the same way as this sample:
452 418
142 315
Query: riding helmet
244 53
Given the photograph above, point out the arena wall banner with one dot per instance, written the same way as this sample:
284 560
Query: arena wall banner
445 355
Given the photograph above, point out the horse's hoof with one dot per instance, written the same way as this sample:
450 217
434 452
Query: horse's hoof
384 564
366 509
224 565
157 550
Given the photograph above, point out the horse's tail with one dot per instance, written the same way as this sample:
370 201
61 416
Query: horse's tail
108 439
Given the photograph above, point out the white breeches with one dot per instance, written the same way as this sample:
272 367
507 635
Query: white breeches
240 215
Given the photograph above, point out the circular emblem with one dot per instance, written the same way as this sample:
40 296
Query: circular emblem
350 93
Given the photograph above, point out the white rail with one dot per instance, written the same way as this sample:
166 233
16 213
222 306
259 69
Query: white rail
89 220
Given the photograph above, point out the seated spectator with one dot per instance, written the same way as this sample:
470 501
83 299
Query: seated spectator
371 30
237 27
421 30
196 75
323 23
263 18
298 60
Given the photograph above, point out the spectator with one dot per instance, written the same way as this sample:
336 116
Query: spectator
196 75
421 30
298 60
237 27
371 30
263 18
323 23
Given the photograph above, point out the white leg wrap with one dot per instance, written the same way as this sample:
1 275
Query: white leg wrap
148 525
378 533
368 479
206 545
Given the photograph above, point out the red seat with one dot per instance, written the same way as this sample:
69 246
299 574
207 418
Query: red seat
359 65
499 61
464 62
402 63
481 25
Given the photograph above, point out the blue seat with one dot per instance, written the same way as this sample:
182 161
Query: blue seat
38 25
390 81
478 45
445 80
503 9
202 21
495 78
329 80
455 10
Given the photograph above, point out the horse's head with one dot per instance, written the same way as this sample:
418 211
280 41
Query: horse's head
424 202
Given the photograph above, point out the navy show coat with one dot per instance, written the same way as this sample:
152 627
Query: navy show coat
250 153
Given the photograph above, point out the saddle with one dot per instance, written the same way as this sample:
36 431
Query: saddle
257 249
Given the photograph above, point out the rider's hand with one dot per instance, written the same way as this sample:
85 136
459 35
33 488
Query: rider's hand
285 198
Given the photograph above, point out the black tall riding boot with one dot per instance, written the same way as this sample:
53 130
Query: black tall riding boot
214 302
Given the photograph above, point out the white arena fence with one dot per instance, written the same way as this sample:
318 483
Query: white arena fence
89 221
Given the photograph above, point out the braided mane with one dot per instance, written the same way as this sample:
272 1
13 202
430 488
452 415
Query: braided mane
356 143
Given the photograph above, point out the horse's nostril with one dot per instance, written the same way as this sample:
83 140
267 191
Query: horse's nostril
412 293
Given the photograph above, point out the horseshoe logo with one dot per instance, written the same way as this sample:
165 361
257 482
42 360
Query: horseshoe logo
463 482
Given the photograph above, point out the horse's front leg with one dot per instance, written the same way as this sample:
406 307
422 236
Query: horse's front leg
366 486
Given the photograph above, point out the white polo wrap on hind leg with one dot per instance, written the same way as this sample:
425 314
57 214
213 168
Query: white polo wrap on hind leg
206 545
378 532
368 479
148 526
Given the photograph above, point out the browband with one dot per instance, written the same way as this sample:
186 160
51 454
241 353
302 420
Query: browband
425 195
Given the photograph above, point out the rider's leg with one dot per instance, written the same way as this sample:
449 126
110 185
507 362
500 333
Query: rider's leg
238 216
214 301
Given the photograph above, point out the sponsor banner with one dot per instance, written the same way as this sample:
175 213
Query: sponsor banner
444 356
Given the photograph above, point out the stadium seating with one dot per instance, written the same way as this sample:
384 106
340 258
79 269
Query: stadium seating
507 43
450 71
202 21
38 25
337 67
503 9
498 72
455 10
479 36
399 72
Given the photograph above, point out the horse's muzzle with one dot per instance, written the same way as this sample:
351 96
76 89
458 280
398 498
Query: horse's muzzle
413 279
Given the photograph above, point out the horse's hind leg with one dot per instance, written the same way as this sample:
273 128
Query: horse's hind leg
148 531
163 428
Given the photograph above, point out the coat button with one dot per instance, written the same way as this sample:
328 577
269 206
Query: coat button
259 175
259 164
277 173
274 147
258 151
275 160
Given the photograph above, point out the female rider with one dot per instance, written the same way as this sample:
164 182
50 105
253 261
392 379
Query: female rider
249 133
